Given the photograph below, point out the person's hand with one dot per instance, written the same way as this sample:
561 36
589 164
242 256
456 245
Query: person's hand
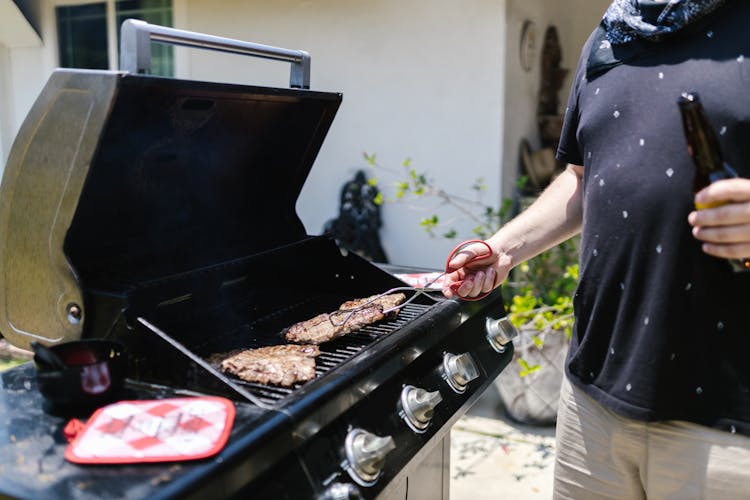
724 229
479 272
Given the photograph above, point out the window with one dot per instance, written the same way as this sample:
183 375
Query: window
89 33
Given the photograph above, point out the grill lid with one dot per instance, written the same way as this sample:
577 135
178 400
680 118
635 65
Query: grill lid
115 179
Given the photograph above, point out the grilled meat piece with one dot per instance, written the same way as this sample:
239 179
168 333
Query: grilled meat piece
386 302
283 365
348 318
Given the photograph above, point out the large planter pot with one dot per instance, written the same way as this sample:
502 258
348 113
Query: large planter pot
533 398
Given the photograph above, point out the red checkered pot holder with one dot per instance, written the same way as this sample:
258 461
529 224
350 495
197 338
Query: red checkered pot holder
163 430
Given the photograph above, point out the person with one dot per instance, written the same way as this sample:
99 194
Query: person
656 397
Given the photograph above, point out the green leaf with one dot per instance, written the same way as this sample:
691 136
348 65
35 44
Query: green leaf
429 222
527 369
378 200
370 159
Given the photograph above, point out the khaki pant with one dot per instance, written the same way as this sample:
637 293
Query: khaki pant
603 455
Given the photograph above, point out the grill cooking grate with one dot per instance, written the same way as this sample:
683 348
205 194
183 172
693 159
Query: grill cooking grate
337 352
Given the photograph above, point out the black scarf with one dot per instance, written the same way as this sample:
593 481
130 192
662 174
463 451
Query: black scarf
630 28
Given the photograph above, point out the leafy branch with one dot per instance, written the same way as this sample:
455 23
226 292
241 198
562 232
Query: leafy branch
484 218
541 290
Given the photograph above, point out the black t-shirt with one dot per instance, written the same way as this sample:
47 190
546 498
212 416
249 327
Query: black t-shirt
662 330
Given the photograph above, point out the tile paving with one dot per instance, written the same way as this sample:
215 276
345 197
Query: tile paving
494 458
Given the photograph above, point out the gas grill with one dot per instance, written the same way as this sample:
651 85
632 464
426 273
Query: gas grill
161 213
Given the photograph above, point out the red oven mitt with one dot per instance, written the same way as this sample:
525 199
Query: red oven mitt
161 430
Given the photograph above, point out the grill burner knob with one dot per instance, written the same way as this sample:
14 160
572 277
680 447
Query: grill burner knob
366 455
460 369
418 405
500 332
341 491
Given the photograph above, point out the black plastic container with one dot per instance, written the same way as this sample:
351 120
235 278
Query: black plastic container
93 373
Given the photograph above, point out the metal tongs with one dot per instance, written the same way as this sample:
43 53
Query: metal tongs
423 290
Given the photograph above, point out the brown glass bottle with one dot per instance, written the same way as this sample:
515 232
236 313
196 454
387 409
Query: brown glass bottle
703 147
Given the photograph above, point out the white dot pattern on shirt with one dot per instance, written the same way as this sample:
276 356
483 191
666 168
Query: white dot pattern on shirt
659 249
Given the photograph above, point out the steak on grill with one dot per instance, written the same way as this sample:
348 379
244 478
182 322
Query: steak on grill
386 302
351 316
283 365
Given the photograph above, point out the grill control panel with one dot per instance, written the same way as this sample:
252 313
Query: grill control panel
418 406
406 405
459 370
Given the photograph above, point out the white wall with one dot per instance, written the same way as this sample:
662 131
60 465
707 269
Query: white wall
5 99
425 79
574 20
421 79
23 72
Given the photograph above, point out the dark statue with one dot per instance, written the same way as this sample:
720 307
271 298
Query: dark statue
357 225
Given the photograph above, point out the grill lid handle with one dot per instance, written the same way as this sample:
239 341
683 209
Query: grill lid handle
136 37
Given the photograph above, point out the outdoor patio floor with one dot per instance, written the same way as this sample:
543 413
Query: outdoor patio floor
495 458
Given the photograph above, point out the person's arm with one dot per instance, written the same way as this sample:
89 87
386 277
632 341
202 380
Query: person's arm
724 229
553 218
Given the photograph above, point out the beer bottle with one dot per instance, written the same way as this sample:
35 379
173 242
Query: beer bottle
703 147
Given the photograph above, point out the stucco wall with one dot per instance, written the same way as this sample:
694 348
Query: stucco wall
425 79
421 79
574 20
24 70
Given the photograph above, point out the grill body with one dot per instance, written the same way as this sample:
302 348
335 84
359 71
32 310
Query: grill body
163 212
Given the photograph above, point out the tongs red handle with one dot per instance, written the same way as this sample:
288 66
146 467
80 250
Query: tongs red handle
458 249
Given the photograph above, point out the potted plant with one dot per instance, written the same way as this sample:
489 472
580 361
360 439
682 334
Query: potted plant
538 294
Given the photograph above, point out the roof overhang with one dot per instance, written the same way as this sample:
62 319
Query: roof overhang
16 27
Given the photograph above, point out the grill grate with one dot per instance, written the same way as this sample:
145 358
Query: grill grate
337 352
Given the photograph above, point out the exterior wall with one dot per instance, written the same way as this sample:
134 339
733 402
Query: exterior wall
5 133
424 79
575 20
421 79
23 72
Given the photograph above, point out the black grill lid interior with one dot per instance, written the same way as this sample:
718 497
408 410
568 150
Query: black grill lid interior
190 174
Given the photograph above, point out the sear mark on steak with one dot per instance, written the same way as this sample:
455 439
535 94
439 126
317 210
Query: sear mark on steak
283 365
329 326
